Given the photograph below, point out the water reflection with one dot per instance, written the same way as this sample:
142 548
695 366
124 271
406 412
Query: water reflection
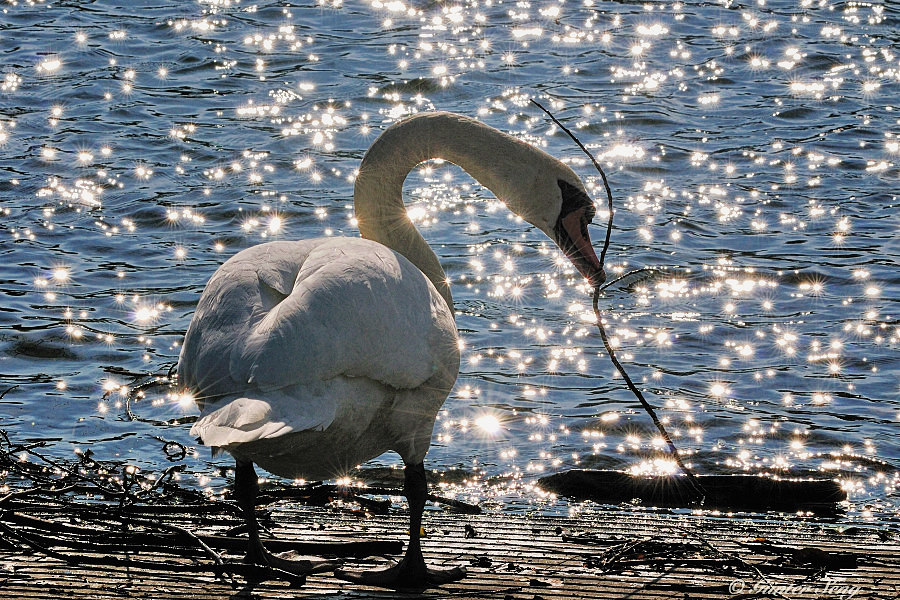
753 152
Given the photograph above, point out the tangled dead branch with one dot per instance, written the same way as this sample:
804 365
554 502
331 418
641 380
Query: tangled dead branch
91 512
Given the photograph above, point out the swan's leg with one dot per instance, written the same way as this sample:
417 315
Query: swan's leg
246 488
411 572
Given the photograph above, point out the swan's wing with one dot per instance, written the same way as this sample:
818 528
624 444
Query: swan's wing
238 295
281 319
357 309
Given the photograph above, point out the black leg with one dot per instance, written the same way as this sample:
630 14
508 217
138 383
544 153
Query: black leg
246 488
415 488
411 572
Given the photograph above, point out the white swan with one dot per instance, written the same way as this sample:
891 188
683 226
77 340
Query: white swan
311 357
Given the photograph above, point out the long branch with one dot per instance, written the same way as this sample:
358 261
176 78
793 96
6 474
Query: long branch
695 483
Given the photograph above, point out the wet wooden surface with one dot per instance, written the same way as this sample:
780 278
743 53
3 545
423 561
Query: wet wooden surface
510 557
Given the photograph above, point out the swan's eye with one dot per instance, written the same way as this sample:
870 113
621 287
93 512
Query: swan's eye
574 199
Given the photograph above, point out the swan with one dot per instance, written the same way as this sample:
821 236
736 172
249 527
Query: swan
310 357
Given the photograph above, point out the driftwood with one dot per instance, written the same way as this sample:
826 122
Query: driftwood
90 512
322 494
724 492
805 556
95 539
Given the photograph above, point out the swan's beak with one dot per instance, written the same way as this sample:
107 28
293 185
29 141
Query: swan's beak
573 239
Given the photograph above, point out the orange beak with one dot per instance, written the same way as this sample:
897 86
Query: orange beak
576 244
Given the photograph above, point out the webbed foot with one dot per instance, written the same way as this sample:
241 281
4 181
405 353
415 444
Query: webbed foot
405 575
294 571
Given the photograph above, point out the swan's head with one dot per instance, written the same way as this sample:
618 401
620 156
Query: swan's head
536 186
570 231
557 203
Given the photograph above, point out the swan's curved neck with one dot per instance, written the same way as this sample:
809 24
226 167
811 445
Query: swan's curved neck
498 161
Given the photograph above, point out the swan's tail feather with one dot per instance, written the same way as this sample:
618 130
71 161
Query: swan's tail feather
234 420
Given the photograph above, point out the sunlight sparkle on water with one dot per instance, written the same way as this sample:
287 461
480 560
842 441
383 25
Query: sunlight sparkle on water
488 423
752 199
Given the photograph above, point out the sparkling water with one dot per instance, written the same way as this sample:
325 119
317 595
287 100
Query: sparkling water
752 149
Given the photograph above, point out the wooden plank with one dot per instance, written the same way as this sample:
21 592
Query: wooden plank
512 557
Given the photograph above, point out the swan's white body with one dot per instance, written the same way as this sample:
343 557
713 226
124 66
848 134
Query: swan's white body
311 357
315 356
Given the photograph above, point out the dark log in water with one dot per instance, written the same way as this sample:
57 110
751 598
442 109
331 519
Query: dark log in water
725 492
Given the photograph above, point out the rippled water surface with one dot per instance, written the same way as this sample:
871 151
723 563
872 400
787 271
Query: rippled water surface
752 148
